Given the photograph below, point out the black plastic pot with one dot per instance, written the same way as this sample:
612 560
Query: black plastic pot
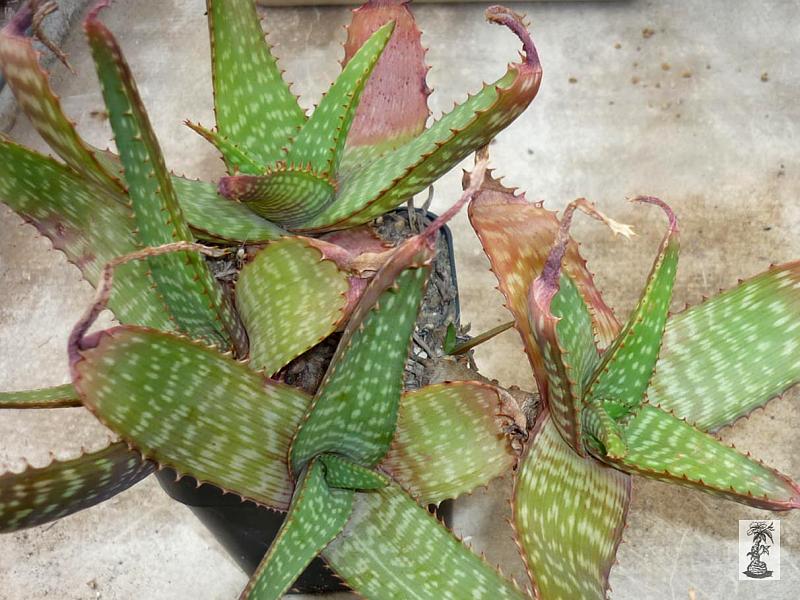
247 530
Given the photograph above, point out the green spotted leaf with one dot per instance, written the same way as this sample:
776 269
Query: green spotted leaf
19 63
569 513
190 408
39 495
215 218
355 410
383 184
394 548
449 441
255 108
236 159
562 328
394 104
345 474
184 280
627 366
86 224
59 396
316 516
663 447
290 298
724 358
275 195
517 235
321 140
601 432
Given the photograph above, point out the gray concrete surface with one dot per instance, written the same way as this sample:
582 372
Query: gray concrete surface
683 114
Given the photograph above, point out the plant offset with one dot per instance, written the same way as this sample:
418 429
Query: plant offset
189 379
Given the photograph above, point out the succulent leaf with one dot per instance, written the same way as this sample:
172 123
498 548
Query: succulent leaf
184 280
38 495
388 181
569 513
663 447
290 298
601 433
450 440
322 138
627 366
19 62
82 221
236 159
215 218
345 474
724 358
517 235
394 548
59 396
255 108
190 408
354 412
394 104
285 194
316 516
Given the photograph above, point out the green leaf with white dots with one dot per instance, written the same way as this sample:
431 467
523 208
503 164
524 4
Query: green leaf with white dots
726 357
290 298
255 108
450 440
322 138
59 396
394 548
627 366
236 159
355 410
190 408
663 447
215 218
39 495
84 222
184 279
569 513
601 433
29 82
317 515
345 474
276 195
388 181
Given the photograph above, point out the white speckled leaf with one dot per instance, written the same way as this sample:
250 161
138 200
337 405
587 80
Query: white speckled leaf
345 474
569 513
188 407
59 396
236 159
19 63
627 366
184 280
39 495
322 138
254 107
316 516
663 447
290 298
449 441
389 180
726 357
86 223
394 548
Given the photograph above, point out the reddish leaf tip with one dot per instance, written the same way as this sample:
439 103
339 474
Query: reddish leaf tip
514 21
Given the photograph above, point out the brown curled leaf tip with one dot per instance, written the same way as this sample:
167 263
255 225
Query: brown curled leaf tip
673 219
514 21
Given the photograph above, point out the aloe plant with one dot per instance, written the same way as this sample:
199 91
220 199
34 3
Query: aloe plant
644 398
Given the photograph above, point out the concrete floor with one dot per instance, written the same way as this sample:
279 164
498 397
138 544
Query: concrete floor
684 113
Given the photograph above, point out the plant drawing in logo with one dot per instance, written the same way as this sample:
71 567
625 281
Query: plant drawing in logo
760 531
